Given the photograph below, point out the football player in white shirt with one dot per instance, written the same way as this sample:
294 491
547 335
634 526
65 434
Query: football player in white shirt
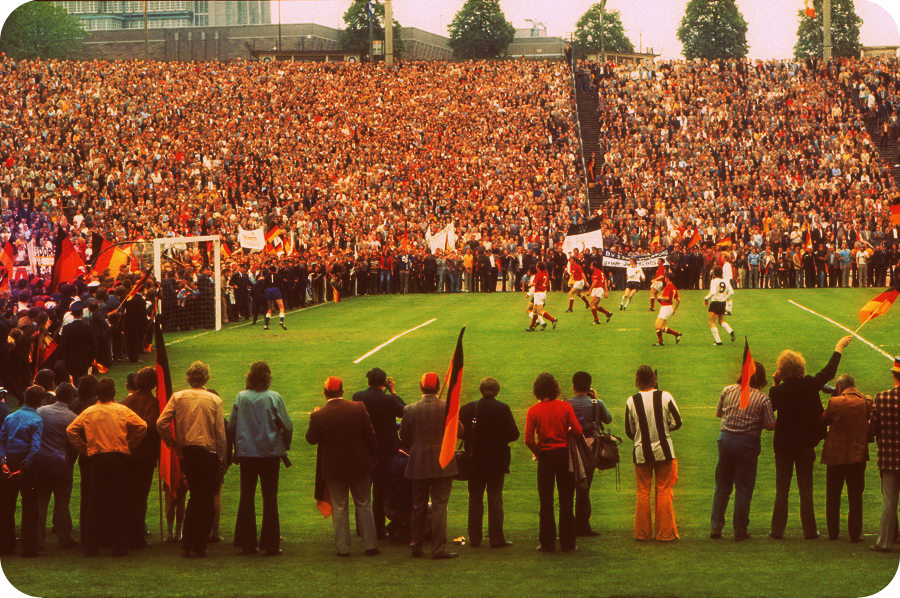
728 275
720 292
633 278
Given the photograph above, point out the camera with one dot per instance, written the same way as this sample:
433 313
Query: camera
828 389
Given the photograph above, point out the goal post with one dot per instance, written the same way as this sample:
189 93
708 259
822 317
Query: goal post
183 256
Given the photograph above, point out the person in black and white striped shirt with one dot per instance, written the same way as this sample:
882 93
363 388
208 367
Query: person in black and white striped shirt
650 416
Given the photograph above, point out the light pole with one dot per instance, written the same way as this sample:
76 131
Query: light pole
388 33
279 25
826 30
602 18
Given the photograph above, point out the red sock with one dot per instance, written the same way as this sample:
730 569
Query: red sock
585 300
533 319
571 302
652 301
659 335
549 317
672 332
603 311
594 311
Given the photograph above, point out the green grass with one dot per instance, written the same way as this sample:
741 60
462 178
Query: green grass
325 340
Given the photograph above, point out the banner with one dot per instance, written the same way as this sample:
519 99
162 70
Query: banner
445 240
611 259
584 236
253 240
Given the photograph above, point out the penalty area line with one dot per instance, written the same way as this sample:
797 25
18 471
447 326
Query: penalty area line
242 324
842 327
385 344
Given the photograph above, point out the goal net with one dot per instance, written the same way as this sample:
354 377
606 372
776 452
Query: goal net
189 271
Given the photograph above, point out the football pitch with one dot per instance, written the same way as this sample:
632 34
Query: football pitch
329 340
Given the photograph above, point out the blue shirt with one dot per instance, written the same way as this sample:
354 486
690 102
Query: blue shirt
753 258
584 412
20 437
844 254
260 425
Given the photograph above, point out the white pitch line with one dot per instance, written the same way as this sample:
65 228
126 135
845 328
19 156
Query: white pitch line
199 334
383 345
842 327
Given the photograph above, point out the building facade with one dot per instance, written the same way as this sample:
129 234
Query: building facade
113 15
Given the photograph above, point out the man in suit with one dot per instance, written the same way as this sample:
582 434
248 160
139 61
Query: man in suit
135 323
384 407
488 428
76 343
421 433
884 425
346 440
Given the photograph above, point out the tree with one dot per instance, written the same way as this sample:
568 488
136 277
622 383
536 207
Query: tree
713 29
844 31
589 31
41 30
480 30
355 35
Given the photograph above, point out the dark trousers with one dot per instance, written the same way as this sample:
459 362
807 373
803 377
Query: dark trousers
140 478
201 469
553 466
104 496
379 479
738 454
439 491
493 483
9 495
854 474
583 505
264 469
784 471
60 487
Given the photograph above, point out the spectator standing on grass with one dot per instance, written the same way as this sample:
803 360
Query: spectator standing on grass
844 454
199 441
347 456
106 433
55 464
591 413
739 448
798 429
885 427
547 425
261 431
143 459
650 416
421 433
384 408
488 428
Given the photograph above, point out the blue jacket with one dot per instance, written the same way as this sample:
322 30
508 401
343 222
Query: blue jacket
259 425
20 437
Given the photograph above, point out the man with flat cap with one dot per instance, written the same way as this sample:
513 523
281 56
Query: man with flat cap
421 433
384 407
346 440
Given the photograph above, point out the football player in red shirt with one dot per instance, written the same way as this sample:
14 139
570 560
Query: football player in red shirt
598 291
656 284
577 275
669 300
541 281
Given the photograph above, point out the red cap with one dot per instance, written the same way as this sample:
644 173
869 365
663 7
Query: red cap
333 384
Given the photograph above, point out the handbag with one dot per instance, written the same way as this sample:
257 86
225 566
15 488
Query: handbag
605 446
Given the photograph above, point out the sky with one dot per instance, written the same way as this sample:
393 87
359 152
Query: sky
771 31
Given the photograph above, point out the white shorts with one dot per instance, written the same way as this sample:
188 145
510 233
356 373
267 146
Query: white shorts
598 292
578 285
540 297
665 312
656 285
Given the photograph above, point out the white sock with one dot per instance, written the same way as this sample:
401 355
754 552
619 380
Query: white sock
715 333
728 305
727 327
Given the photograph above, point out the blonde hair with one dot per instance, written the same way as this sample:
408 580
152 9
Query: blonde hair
790 365
197 374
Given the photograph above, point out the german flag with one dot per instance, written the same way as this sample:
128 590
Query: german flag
67 263
878 305
694 239
274 240
109 256
747 371
225 249
169 466
7 262
895 211
453 384
726 242
134 290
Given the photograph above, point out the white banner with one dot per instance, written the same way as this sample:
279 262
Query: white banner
584 236
254 240
444 240
612 259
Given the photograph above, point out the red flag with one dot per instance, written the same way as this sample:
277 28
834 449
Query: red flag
404 241
878 305
169 466
225 249
895 211
67 264
453 384
726 242
7 260
809 244
747 371
694 239
809 9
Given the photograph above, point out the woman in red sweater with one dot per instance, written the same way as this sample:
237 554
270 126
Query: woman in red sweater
547 424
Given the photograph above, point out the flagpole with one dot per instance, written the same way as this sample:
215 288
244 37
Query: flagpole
871 315
159 493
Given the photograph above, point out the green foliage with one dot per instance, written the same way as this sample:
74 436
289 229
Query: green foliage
41 30
713 29
355 35
592 27
480 30
844 31
324 341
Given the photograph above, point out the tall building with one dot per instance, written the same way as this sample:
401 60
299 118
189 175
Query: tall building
107 15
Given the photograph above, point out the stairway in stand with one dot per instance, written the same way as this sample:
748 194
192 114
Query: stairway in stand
590 135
